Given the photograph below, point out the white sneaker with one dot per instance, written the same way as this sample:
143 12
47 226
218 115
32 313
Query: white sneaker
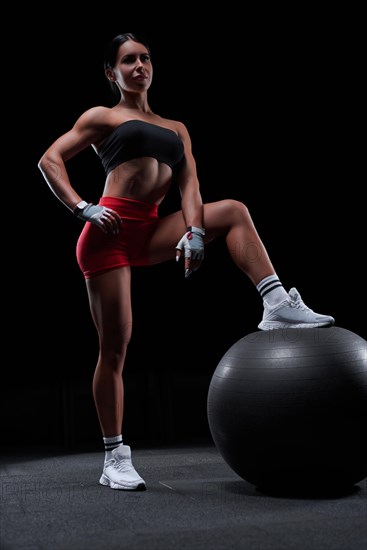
119 473
293 313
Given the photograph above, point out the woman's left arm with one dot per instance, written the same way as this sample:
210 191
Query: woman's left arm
188 182
192 241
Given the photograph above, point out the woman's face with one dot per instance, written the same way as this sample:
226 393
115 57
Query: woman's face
133 70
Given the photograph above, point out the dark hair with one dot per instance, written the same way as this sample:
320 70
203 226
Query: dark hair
110 53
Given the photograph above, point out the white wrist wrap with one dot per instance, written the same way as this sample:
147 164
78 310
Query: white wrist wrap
80 206
197 230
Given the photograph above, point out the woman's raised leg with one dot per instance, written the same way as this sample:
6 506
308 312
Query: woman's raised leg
231 219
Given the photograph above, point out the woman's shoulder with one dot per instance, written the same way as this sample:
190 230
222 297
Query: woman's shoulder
96 116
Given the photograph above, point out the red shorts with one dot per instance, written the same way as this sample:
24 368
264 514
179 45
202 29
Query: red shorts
98 252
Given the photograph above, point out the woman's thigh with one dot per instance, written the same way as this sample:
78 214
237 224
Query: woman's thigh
110 304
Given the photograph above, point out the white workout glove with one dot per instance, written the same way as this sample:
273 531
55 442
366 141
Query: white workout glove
193 245
108 220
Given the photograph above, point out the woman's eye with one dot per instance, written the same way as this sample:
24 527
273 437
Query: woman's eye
144 58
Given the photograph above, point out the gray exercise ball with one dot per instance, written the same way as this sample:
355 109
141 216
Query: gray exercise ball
287 408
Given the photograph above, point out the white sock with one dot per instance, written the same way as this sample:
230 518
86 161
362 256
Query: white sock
111 443
271 290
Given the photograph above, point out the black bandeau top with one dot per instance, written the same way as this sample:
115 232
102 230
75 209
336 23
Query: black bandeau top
136 138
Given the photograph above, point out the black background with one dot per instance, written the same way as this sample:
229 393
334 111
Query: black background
272 101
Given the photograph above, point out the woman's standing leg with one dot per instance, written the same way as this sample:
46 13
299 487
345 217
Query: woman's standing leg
110 305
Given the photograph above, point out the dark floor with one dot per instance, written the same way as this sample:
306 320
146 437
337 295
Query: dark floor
193 501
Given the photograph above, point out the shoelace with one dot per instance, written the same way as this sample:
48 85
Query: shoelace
123 465
298 303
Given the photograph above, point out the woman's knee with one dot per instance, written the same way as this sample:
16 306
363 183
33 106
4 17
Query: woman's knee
114 343
236 210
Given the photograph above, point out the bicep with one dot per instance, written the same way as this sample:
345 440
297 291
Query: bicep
87 130
71 143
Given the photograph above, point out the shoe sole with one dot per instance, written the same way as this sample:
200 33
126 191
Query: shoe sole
269 325
104 480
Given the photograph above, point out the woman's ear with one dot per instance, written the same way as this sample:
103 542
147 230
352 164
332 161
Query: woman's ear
110 75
